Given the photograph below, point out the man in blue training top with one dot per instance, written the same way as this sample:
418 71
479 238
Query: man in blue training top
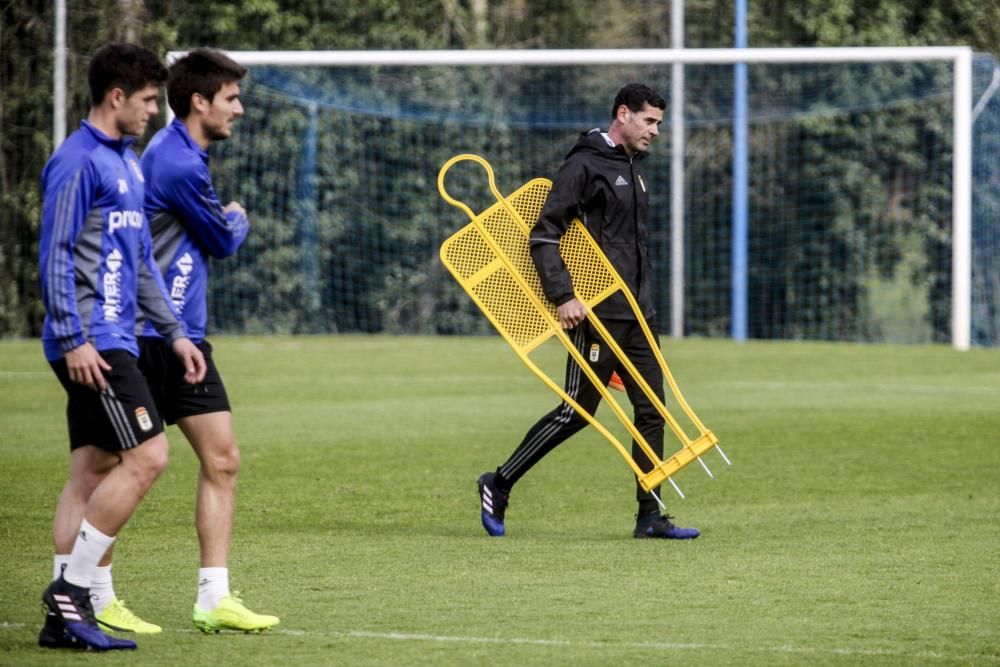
189 224
97 270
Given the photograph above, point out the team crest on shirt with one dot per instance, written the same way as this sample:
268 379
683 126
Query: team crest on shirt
138 172
142 416
595 352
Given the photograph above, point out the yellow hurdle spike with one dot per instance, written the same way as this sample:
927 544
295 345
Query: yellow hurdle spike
490 259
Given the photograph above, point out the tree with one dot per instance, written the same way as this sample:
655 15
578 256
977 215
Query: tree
25 139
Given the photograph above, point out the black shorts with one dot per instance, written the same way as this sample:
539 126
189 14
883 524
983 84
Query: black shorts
118 418
174 397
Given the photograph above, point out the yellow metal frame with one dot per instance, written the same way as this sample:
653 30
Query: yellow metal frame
490 259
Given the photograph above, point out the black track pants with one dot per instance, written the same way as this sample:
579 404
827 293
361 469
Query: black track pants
562 422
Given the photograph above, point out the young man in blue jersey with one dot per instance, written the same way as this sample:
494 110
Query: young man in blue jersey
97 272
189 225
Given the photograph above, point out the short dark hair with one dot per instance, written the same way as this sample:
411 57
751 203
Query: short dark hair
635 96
202 71
126 66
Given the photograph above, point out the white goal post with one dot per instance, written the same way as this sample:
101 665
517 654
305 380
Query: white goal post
960 58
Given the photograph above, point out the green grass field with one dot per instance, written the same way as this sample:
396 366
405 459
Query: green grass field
859 523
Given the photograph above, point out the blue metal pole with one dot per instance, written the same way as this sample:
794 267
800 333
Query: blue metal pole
308 248
740 184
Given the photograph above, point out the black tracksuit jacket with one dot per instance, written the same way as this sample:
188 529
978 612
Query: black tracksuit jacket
602 186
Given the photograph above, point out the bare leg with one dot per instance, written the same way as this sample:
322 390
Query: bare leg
108 487
87 469
211 436
114 500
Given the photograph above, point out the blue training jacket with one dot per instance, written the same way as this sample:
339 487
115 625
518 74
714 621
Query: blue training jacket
95 252
187 221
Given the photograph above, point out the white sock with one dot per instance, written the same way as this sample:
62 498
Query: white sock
102 589
87 552
213 585
59 562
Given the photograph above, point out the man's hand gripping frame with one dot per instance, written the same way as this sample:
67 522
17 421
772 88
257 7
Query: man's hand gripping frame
491 260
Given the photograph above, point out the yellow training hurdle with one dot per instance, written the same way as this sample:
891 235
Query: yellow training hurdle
490 259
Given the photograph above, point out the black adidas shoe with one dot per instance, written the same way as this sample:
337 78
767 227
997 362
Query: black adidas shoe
656 525
70 606
494 504
53 634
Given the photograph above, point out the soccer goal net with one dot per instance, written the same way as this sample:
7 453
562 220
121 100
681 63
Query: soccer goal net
851 193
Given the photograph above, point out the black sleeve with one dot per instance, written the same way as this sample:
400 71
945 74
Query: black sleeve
563 204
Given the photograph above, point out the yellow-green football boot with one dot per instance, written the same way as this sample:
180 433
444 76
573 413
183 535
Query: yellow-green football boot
232 615
116 616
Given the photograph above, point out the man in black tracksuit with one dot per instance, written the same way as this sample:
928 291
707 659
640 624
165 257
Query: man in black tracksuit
600 183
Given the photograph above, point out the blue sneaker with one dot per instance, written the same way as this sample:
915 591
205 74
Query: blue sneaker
656 525
69 606
494 503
